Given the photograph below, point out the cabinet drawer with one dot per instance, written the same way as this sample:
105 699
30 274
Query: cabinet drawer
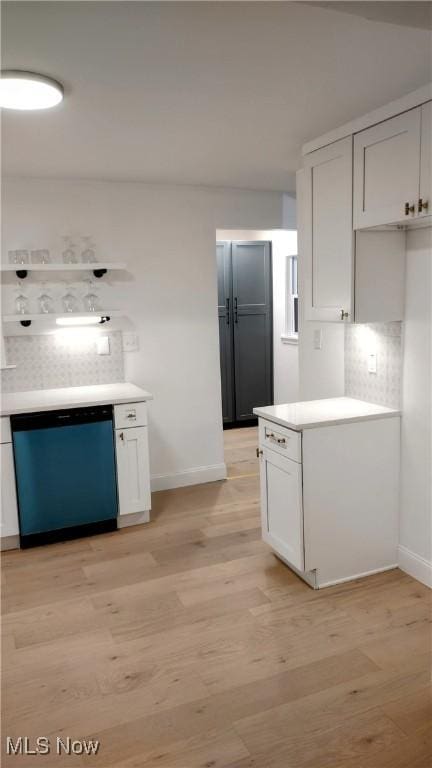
285 441
130 415
5 430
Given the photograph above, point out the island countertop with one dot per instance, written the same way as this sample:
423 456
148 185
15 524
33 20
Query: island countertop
71 397
321 413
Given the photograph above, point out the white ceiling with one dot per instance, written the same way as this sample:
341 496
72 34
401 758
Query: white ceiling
409 14
197 93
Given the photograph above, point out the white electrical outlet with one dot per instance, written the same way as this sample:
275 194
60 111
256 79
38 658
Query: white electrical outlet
317 339
103 345
130 342
372 362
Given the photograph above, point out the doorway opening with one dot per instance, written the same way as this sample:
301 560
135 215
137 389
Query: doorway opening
245 309
258 333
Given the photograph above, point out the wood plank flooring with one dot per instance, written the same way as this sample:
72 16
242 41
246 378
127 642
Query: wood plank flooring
187 644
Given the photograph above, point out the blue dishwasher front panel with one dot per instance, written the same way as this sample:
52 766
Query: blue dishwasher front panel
65 470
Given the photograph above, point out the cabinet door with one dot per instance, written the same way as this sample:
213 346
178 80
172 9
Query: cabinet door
281 506
133 475
426 161
252 310
9 507
326 237
224 283
387 171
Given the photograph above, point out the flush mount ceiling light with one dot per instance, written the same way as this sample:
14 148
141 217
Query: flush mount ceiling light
28 90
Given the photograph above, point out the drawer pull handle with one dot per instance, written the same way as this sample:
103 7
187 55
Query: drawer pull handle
409 209
131 416
278 440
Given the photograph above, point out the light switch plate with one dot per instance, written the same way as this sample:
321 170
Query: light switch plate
103 345
317 339
372 362
130 342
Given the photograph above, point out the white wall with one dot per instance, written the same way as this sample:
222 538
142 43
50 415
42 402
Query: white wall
167 237
321 371
285 355
289 211
416 507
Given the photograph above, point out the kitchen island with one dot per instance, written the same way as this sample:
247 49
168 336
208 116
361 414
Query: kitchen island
329 472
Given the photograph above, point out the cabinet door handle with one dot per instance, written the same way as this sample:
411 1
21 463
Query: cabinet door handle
227 303
423 205
344 315
259 452
235 310
121 436
409 209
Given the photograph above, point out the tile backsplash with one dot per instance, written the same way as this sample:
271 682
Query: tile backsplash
385 340
61 360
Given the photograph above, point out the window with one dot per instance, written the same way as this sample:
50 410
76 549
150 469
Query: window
291 318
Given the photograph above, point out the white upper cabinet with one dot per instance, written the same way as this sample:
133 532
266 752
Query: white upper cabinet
373 174
347 276
425 200
326 232
390 160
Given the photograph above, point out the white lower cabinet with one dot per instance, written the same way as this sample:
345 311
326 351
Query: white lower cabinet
281 506
133 473
333 515
9 506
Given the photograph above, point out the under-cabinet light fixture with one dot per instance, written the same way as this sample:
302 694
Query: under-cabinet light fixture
28 90
82 320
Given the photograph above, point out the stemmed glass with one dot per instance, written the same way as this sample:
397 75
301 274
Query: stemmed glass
69 300
91 299
88 255
69 253
21 301
45 301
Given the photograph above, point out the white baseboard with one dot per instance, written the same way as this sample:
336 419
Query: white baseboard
355 576
136 518
415 565
9 542
193 476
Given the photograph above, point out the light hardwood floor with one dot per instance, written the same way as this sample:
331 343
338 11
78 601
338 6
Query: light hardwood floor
187 644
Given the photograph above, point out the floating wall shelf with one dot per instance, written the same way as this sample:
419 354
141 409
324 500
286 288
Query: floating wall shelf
99 268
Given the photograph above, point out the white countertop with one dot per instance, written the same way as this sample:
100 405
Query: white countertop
321 413
71 397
